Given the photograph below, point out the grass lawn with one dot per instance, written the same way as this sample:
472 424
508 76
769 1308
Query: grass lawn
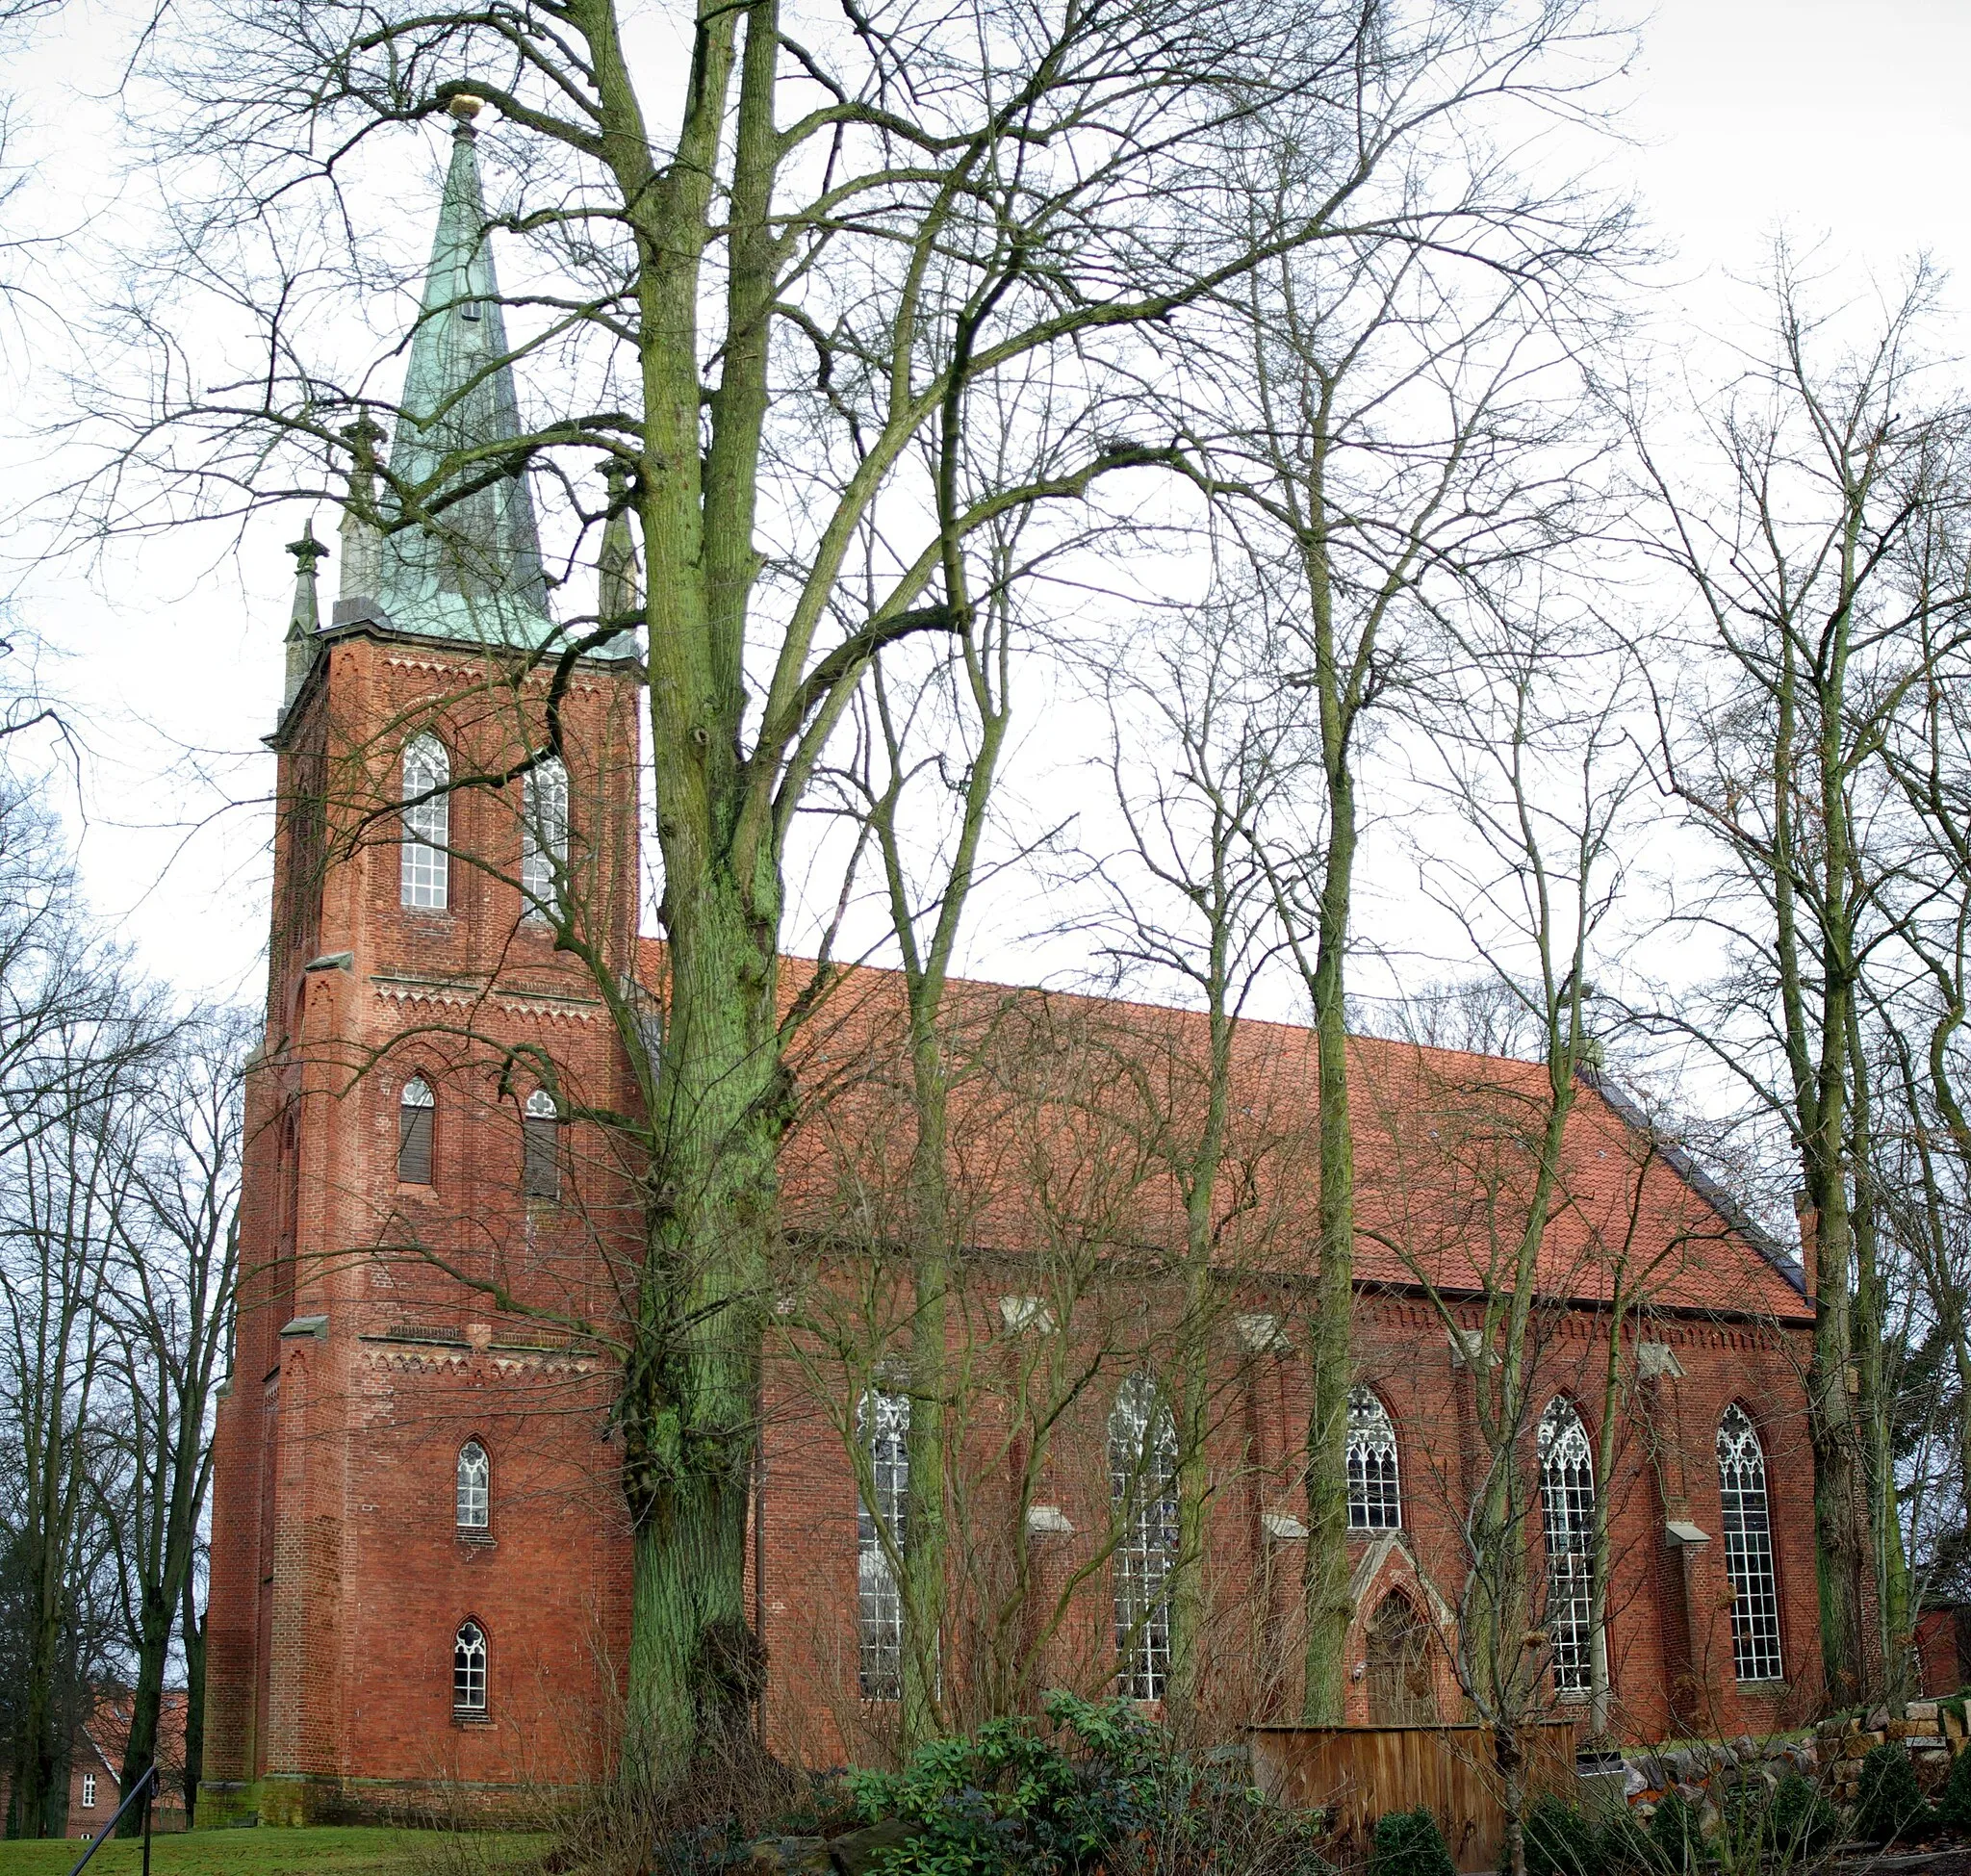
346 1851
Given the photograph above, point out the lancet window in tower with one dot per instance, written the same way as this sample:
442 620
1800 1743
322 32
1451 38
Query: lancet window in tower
1143 1483
469 1668
1748 1524
475 1499
415 1108
543 839
423 876
1376 1500
1567 1504
539 1155
884 1422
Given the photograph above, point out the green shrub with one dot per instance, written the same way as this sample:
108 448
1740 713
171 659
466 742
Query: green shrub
1888 1804
1622 1846
1008 1798
1799 1821
1561 1839
1409 1843
1104 1792
1954 1801
1676 1842
1744 1822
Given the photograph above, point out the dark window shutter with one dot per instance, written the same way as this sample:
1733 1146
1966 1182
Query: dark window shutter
413 1146
540 1166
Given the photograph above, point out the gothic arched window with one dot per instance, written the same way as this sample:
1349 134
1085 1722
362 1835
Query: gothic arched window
1376 1501
539 1159
469 1668
882 1423
1567 1504
424 871
1748 1548
543 839
475 1487
415 1107
1143 1483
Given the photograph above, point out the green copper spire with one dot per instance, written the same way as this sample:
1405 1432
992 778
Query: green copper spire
474 572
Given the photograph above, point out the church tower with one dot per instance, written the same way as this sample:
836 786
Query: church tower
416 1564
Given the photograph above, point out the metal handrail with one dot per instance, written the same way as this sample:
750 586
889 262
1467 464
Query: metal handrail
142 1789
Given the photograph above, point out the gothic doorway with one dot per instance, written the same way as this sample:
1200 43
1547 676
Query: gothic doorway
1400 1688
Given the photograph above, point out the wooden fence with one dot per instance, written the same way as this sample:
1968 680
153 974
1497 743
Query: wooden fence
1356 1773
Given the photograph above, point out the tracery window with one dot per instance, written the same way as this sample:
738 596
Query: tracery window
543 837
882 1422
469 1668
1748 1548
424 871
475 1487
1142 1482
1376 1500
540 1160
1567 1503
415 1107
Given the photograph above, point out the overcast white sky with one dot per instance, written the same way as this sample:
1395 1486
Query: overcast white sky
1841 119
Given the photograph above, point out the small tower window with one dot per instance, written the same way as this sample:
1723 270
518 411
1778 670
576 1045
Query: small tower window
540 1160
469 1669
413 1111
425 872
543 839
1376 1500
475 1487
89 1791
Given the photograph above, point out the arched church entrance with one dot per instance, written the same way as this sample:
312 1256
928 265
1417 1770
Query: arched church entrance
1401 1691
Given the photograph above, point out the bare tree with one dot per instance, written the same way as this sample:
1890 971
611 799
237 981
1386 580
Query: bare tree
1803 573
1540 787
63 1194
1380 420
1202 750
168 1319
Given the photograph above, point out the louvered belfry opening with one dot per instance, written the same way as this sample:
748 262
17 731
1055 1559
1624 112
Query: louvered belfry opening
414 1116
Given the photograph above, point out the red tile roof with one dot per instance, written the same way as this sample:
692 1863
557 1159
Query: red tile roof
1067 1112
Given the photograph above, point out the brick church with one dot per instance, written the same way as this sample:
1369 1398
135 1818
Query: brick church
419 1555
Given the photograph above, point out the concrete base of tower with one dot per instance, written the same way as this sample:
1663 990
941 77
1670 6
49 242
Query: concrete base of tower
226 1802
291 1800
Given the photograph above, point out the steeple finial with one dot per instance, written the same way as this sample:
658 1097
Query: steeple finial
619 576
304 620
362 541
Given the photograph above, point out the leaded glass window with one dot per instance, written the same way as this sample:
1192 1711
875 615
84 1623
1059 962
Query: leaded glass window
1567 1503
469 1669
543 839
1374 1493
475 1487
424 870
882 1422
1142 1478
1748 1548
